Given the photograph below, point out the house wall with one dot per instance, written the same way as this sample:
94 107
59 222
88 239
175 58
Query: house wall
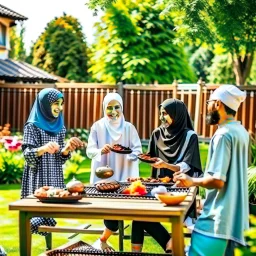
4 50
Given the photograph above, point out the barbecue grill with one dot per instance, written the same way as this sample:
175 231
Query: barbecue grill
91 191
83 249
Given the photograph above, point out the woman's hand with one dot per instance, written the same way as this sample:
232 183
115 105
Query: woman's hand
162 164
51 147
159 164
182 180
71 145
105 149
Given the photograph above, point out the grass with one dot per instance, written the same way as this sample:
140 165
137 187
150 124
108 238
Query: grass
9 232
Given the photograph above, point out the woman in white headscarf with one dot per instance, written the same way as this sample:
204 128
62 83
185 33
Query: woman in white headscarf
109 130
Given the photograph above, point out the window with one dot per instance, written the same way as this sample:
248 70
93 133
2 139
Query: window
2 34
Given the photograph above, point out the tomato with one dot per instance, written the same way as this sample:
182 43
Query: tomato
126 191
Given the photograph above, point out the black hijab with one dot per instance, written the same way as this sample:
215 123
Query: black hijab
167 143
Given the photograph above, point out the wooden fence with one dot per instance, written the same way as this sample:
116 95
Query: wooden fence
83 104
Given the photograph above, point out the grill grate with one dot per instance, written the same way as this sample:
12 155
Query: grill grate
83 249
91 191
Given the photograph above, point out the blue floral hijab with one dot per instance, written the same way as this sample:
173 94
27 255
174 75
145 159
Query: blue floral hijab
41 114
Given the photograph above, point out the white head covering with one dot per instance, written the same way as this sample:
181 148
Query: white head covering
115 128
230 95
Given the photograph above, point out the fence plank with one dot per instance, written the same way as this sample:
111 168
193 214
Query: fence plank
83 104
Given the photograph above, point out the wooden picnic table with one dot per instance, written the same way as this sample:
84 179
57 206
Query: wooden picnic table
104 208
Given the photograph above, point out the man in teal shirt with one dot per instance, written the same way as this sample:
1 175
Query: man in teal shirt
225 213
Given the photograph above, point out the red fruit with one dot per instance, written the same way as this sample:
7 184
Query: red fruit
126 191
141 190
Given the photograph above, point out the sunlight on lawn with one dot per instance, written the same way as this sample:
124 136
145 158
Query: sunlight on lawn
9 231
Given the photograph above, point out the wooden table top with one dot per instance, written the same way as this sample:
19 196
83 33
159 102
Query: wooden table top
106 206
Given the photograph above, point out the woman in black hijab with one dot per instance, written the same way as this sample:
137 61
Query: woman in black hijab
176 145
175 142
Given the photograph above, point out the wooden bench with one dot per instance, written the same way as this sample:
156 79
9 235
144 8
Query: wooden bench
84 229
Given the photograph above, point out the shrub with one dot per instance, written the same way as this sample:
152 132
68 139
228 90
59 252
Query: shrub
11 157
253 151
252 184
5 130
250 236
11 166
73 165
82 134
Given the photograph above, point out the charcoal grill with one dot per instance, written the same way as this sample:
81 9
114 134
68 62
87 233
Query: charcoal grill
91 191
83 249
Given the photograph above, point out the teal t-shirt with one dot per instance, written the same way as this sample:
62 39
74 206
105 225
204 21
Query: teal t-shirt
225 213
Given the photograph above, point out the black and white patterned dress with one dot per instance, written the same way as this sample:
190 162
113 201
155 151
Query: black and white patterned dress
45 170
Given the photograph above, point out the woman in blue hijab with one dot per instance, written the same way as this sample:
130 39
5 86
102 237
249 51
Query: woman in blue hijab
44 149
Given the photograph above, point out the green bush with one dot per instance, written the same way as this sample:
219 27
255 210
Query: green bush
252 184
73 165
82 134
250 236
11 166
253 151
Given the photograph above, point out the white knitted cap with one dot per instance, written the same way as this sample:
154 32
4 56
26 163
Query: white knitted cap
230 95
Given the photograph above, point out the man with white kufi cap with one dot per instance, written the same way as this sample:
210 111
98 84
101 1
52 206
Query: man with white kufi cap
225 213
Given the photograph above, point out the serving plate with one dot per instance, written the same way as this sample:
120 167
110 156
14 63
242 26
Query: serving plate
152 184
151 160
60 200
127 151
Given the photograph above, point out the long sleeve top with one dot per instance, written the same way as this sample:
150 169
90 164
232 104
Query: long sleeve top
124 166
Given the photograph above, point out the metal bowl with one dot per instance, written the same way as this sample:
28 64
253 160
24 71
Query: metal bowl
104 172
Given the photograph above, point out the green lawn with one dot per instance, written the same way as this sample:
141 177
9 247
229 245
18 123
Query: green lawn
9 219
9 229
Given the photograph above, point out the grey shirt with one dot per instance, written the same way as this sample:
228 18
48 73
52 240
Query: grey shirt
225 213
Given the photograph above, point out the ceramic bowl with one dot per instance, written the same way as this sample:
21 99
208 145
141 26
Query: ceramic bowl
171 198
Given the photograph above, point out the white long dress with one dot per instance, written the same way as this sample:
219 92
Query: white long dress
124 166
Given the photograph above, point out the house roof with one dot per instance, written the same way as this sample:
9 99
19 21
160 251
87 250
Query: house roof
8 13
16 71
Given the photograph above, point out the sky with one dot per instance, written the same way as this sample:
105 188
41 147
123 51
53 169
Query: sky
40 12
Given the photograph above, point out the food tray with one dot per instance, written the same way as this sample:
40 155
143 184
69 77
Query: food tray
149 161
91 191
60 200
82 249
129 151
156 184
125 150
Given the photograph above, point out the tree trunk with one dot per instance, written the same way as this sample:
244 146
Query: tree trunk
242 67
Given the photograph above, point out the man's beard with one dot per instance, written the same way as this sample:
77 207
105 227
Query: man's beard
213 117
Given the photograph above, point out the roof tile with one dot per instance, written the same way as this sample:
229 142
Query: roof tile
11 71
8 13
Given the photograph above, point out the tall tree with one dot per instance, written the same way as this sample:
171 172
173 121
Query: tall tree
18 51
61 49
230 23
133 45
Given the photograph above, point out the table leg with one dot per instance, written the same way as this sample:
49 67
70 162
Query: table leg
177 237
121 235
25 234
